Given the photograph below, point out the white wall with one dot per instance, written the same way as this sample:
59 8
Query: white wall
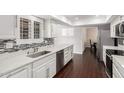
92 34
79 38
7 26
73 35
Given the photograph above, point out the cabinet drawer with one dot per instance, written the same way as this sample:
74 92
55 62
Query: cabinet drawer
44 60
66 50
116 74
119 68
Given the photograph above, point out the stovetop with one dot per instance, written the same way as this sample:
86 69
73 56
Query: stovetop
115 52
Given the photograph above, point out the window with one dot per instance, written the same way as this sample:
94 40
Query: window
36 30
25 28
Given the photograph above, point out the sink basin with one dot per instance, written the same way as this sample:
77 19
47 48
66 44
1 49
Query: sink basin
38 54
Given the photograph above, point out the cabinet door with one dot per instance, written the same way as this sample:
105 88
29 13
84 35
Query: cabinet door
66 56
71 52
48 32
116 73
41 72
24 72
52 69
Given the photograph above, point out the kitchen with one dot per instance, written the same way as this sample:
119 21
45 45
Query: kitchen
57 46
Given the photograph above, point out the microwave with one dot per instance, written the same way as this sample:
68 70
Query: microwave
119 28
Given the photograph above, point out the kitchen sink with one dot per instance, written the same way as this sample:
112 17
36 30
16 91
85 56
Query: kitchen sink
38 54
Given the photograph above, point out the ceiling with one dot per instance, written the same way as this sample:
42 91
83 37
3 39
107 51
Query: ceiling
80 20
87 19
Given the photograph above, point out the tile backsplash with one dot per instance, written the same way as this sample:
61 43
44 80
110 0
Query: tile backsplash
49 40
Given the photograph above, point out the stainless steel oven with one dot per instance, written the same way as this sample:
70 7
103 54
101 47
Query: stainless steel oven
109 65
109 61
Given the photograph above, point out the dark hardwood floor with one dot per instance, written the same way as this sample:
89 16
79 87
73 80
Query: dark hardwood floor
83 66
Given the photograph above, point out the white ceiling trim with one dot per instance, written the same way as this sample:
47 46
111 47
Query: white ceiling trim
94 21
62 18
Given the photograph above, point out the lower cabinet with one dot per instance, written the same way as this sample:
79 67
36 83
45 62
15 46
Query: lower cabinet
68 54
45 70
116 73
23 72
52 69
41 72
42 68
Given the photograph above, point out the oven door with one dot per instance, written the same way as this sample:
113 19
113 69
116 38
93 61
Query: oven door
109 65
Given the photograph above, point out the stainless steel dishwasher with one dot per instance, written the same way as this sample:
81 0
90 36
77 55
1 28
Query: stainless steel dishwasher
60 60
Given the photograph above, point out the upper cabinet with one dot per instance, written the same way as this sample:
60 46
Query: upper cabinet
50 28
47 28
7 26
25 28
114 22
36 30
29 29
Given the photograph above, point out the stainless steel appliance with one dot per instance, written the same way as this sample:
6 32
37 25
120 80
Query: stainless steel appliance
109 63
60 60
119 28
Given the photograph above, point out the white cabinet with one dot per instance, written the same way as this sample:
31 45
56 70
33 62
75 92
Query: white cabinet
47 32
29 29
41 72
7 26
23 72
114 22
52 69
68 54
50 29
116 73
104 55
45 68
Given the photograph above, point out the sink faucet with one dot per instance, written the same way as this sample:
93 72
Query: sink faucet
33 50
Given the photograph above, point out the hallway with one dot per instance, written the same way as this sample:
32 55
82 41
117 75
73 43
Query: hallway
83 66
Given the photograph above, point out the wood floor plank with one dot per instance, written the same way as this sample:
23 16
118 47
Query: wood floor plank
83 66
